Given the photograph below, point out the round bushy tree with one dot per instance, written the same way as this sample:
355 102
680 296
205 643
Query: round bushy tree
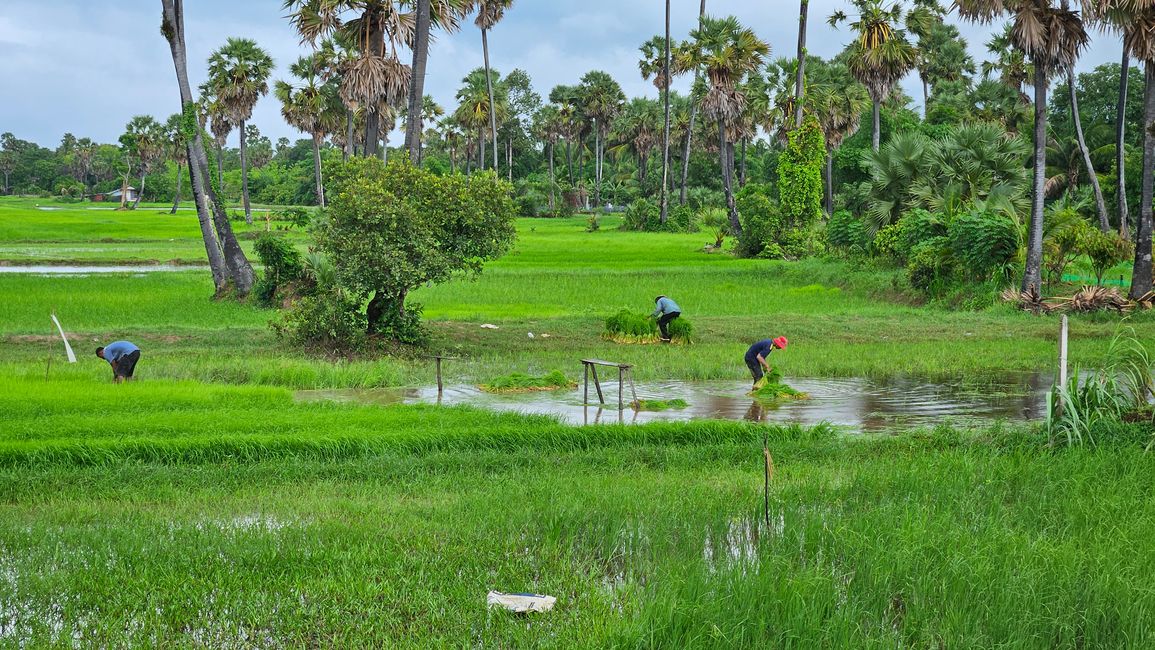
800 176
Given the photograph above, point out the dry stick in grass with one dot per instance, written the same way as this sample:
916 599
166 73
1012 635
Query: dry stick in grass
769 475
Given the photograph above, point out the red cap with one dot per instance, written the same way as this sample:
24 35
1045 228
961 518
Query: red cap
780 342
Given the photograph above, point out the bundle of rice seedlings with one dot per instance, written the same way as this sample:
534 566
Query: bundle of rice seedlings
660 405
520 382
630 327
771 387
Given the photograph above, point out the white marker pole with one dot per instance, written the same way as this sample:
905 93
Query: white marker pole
1063 353
67 347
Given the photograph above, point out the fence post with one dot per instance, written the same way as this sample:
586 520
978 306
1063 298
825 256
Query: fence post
1063 352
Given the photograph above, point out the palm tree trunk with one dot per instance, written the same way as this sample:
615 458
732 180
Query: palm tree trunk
925 95
1141 275
569 159
1100 204
489 89
686 152
877 125
800 80
742 169
317 169
481 149
509 158
665 193
728 180
413 126
1032 274
245 176
376 45
221 169
829 198
348 135
598 167
179 184
1120 146
172 27
552 180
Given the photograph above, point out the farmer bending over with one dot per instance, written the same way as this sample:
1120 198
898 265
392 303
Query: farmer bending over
666 310
757 354
122 356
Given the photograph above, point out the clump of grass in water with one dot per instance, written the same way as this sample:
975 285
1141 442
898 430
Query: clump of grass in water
630 327
660 405
520 382
770 387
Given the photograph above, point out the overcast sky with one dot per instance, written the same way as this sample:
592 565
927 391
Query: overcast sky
88 66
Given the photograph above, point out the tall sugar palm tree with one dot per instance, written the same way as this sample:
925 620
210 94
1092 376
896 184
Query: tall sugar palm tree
1100 203
726 52
475 112
177 152
655 62
880 56
696 92
313 107
601 99
1052 38
144 138
227 260
489 13
800 78
239 76
838 100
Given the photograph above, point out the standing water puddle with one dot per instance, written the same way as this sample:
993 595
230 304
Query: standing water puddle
863 404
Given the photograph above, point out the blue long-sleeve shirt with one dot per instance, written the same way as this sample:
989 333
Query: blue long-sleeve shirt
666 306
115 351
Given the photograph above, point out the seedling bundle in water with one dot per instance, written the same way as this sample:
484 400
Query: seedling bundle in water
770 387
660 405
520 382
630 327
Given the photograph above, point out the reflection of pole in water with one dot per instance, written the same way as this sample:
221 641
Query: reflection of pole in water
755 412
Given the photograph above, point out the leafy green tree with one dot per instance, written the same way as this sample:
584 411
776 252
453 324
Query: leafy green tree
800 176
239 76
393 228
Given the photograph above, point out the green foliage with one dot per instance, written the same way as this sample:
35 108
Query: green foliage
847 232
800 176
631 327
641 215
660 405
593 224
520 382
330 321
392 228
916 227
929 264
984 243
681 218
717 222
1106 250
762 222
886 242
283 265
1065 240
297 216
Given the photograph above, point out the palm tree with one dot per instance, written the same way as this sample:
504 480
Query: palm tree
1100 204
655 62
177 152
727 52
838 101
549 128
881 55
227 260
312 107
144 139
474 112
636 129
1052 38
489 13
213 110
800 79
601 99
239 77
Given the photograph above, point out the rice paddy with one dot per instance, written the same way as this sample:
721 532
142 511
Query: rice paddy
204 506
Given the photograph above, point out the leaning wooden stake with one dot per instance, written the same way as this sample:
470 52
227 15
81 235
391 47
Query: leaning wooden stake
1063 353
768 474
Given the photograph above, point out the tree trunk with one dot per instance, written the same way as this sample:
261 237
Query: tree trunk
124 191
800 80
245 176
348 135
686 152
598 167
925 95
877 125
1100 204
489 89
1120 147
509 159
179 184
665 194
552 180
413 126
829 198
317 169
569 159
742 169
221 170
374 44
172 27
1032 279
140 192
728 180
481 150
1141 276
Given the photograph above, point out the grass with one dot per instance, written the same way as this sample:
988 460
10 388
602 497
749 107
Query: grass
204 506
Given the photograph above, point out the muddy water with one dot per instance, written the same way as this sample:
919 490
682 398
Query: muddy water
858 403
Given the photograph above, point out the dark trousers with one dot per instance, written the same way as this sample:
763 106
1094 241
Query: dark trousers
664 322
126 365
755 368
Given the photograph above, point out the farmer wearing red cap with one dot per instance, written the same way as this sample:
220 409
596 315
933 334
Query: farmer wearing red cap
757 354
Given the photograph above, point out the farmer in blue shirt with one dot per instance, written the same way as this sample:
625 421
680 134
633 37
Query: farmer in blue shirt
666 310
758 353
122 356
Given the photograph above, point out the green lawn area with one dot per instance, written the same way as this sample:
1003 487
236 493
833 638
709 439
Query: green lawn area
203 506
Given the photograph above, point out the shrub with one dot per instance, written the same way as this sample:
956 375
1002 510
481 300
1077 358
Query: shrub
703 198
916 227
593 224
283 266
800 176
1106 249
681 218
1065 243
531 204
847 232
331 321
761 220
984 243
296 216
929 264
886 242
718 223
641 215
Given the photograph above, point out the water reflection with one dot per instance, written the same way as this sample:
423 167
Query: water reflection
859 403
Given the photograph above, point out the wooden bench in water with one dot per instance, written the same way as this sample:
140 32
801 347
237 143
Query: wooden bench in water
625 371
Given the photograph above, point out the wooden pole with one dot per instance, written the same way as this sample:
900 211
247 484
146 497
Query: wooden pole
621 380
1063 352
633 390
440 385
586 372
597 384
